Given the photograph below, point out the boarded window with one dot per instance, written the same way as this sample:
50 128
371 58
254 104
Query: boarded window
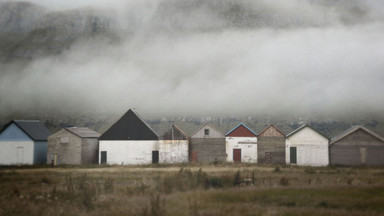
64 140
206 132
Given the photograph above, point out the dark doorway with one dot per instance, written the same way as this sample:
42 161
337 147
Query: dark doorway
103 159
236 155
293 158
155 157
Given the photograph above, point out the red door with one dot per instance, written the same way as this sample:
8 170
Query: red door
194 156
236 155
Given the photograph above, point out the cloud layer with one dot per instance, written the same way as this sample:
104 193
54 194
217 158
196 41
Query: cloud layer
218 58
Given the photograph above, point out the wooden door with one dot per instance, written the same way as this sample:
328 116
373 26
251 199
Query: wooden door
194 156
236 155
293 155
155 157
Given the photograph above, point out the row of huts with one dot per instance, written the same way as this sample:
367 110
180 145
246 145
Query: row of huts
131 141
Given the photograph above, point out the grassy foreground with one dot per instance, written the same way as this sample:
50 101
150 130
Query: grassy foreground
191 189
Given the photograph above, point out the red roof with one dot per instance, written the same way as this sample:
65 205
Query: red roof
241 131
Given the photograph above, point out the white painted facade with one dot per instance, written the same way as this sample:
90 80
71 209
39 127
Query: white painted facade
16 152
311 148
128 152
140 151
173 151
248 146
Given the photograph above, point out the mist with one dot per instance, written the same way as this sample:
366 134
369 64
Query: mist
301 57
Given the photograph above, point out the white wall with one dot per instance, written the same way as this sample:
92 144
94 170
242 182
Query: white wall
16 152
248 146
312 148
128 152
173 151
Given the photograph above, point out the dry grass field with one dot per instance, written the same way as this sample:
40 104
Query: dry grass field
191 189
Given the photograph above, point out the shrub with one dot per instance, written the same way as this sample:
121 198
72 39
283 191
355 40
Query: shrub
237 181
284 181
109 185
310 170
45 180
277 169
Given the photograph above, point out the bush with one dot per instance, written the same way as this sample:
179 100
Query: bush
284 181
237 181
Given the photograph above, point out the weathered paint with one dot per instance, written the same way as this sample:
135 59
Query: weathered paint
72 149
271 146
312 148
271 150
357 148
208 149
140 151
90 151
128 151
271 131
173 151
67 145
248 146
213 132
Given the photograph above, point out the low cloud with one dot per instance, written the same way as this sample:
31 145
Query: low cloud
296 58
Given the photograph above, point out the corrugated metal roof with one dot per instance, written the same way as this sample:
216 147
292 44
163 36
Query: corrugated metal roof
34 129
351 130
83 132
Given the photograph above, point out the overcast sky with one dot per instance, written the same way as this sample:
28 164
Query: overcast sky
301 58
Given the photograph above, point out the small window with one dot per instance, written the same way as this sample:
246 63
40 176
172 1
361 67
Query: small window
206 132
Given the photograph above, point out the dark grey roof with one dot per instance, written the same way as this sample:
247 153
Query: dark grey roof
129 127
33 128
352 130
83 132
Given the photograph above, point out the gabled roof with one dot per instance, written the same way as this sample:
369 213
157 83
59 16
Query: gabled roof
129 127
352 130
271 125
302 127
83 132
207 125
174 133
33 128
241 125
